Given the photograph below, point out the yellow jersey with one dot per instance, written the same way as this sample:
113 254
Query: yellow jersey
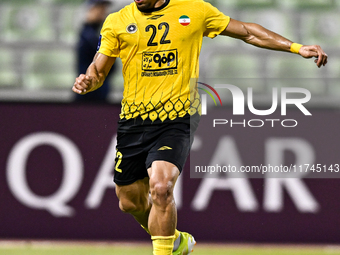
159 50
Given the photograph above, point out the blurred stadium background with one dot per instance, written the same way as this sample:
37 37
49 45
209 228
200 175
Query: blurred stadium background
37 71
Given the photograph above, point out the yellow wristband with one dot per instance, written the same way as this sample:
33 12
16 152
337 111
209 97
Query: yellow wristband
295 48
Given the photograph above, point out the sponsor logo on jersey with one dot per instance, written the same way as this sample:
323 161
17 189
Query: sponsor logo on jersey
160 60
156 17
132 28
164 148
184 20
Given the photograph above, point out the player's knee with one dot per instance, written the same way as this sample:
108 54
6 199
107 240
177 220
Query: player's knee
133 206
161 192
127 206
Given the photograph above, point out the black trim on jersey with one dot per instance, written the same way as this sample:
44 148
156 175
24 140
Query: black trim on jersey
138 124
158 8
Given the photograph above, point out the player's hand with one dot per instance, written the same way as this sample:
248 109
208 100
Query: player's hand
314 51
83 84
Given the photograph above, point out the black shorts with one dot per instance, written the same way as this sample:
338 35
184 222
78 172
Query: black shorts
137 150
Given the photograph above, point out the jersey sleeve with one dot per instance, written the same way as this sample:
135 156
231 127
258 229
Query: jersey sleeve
109 43
215 21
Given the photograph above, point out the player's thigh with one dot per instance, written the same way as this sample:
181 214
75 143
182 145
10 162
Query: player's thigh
130 159
172 146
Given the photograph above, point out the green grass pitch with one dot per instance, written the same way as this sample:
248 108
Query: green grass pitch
25 248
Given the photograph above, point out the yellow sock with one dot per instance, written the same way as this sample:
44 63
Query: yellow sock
163 245
147 231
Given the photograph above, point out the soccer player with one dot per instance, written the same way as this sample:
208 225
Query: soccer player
159 43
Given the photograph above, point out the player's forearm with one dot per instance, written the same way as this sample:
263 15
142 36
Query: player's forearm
257 35
261 37
264 38
97 77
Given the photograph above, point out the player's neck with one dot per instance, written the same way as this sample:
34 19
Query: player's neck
159 5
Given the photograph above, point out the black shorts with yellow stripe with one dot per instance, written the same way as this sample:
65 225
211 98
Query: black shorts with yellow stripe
142 145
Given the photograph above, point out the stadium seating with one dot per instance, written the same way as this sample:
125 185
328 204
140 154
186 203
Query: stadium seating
8 76
51 69
255 4
321 28
244 4
309 4
24 23
73 2
69 23
277 20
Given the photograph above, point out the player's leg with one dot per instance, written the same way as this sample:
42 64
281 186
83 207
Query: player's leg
131 177
134 199
163 214
169 144
169 152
